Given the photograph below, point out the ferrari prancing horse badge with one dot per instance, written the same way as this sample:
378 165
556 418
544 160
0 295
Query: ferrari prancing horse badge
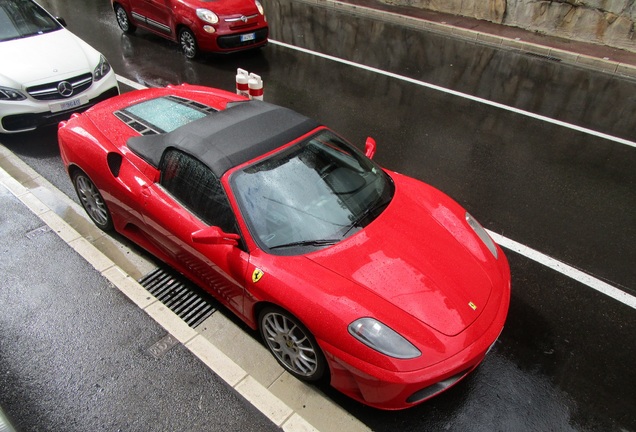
257 275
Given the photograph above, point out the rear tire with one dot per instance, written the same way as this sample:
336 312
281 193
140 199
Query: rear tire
92 201
123 20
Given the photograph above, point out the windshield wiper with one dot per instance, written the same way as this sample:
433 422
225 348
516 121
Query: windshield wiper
376 208
323 242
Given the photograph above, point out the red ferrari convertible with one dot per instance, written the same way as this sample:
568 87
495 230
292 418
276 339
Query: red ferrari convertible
368 278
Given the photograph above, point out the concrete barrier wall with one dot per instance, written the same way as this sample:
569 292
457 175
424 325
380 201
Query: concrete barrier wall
607 22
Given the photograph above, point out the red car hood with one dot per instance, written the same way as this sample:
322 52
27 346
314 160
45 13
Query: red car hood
409 257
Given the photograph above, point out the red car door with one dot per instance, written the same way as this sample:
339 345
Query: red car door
189 199
139 11
159 15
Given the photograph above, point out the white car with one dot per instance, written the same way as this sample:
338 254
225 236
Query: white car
46 72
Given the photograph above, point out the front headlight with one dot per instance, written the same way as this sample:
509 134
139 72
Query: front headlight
9 94
103 67
482 234
259 6
208 16
378 336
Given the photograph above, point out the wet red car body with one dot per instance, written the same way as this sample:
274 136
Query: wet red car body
419 273
198 25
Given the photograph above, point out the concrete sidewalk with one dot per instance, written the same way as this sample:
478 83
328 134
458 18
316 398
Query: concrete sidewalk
586 55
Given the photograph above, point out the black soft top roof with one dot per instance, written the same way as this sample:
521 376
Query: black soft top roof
225 139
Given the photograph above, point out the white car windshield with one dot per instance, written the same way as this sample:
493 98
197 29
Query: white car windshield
311 195
22 18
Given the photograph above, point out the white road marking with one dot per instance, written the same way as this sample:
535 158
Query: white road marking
130 83
566 270
526 251
459 94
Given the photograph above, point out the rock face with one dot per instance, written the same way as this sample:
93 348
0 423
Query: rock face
607 22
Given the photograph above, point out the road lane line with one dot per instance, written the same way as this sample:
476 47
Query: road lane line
459 94
565 269
130 83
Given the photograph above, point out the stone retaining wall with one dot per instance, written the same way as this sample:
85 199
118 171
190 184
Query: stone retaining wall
607 22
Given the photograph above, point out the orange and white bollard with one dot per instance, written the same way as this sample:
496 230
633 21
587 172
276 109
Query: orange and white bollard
242 78
255 85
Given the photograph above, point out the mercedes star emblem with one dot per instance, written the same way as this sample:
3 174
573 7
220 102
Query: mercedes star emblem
65 88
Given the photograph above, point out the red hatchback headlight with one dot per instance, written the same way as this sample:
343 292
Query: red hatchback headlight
208 16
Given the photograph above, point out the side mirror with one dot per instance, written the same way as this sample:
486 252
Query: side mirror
215 235
369 148
61 21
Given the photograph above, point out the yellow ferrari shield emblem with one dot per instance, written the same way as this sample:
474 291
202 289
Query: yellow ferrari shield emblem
257 275
472 305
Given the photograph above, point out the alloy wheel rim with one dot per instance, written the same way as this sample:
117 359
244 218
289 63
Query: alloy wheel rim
290 344
188 44
122 18
92 200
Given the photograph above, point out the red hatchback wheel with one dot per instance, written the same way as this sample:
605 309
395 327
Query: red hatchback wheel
188 43
123 21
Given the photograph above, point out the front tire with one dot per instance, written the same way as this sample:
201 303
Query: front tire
293 346
92 201
188 43
123 21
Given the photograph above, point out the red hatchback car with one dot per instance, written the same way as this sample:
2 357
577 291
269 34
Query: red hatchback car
198 25
352 273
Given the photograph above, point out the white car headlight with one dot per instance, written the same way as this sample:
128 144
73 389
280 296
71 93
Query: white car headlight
259 6
208 16
9 94
378 336
103 67
482 234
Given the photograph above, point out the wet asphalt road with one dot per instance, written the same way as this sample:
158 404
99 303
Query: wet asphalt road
565 358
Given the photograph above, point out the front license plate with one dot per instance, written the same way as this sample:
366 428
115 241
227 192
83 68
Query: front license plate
248 37
69 104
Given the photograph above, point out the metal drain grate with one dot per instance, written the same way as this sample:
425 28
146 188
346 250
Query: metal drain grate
543 56
180 295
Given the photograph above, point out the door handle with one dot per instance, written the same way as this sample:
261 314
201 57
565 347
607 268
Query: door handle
145 190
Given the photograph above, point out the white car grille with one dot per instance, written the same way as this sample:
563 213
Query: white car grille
61 89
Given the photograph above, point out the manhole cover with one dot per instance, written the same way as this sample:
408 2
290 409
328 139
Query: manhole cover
38 232
162 346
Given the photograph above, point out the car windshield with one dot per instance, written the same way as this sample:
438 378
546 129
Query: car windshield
22 18
311 195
